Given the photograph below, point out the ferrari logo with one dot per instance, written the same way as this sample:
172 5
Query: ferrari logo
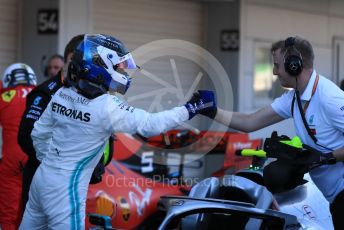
8 95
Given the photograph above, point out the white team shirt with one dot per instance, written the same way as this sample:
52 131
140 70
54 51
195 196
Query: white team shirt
325 115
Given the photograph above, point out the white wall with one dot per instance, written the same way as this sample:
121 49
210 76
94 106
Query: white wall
75 18
9 32
223 15
35 47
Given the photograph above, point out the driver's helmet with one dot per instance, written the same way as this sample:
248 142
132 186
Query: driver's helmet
98 64
18 74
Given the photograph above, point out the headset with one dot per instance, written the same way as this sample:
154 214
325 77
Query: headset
293 63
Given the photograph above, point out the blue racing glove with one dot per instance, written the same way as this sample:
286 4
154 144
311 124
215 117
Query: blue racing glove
202 102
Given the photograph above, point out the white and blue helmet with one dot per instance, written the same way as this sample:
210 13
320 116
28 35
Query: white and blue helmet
94 65
18 74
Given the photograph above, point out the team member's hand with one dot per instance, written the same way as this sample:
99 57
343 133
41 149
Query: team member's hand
202 102
322 158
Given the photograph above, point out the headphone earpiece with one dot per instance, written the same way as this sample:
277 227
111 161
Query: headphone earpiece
293 63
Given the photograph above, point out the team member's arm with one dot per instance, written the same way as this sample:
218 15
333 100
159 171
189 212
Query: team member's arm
42 133
279 110
248 122
339 154
36 102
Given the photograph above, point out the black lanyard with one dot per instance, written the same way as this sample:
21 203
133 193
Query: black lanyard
307 103
304 109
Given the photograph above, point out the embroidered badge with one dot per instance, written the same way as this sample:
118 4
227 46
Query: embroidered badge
37 100
8 95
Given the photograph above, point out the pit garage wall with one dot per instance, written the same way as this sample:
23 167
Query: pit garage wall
75 18
319 21
136 23
9 32
35 47
222 16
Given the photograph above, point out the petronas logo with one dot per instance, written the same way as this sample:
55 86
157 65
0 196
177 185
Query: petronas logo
8 95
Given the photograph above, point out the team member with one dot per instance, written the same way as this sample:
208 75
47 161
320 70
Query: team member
55 64
70 136
317 106
18 80
37 101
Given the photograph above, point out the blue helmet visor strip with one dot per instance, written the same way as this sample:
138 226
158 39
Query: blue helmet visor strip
110 55
119 54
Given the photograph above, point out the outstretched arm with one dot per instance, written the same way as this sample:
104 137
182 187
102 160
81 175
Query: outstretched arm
248 122
339 154
132 120
128 119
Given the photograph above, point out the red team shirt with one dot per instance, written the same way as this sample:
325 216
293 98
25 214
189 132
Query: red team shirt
12 106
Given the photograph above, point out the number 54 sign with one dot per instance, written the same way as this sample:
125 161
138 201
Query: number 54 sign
47 21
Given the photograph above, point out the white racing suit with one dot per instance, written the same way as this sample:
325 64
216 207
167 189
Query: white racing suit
69 139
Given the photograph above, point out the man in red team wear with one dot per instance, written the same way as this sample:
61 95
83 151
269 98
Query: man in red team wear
18 80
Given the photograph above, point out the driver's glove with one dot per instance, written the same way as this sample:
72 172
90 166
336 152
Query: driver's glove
202 102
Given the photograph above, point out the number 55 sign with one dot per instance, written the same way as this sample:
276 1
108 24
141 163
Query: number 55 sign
47 21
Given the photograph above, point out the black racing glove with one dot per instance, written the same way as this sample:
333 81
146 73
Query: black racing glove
97 174
202 102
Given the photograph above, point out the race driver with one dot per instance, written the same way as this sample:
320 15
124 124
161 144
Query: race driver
18 80
36 103
70 136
